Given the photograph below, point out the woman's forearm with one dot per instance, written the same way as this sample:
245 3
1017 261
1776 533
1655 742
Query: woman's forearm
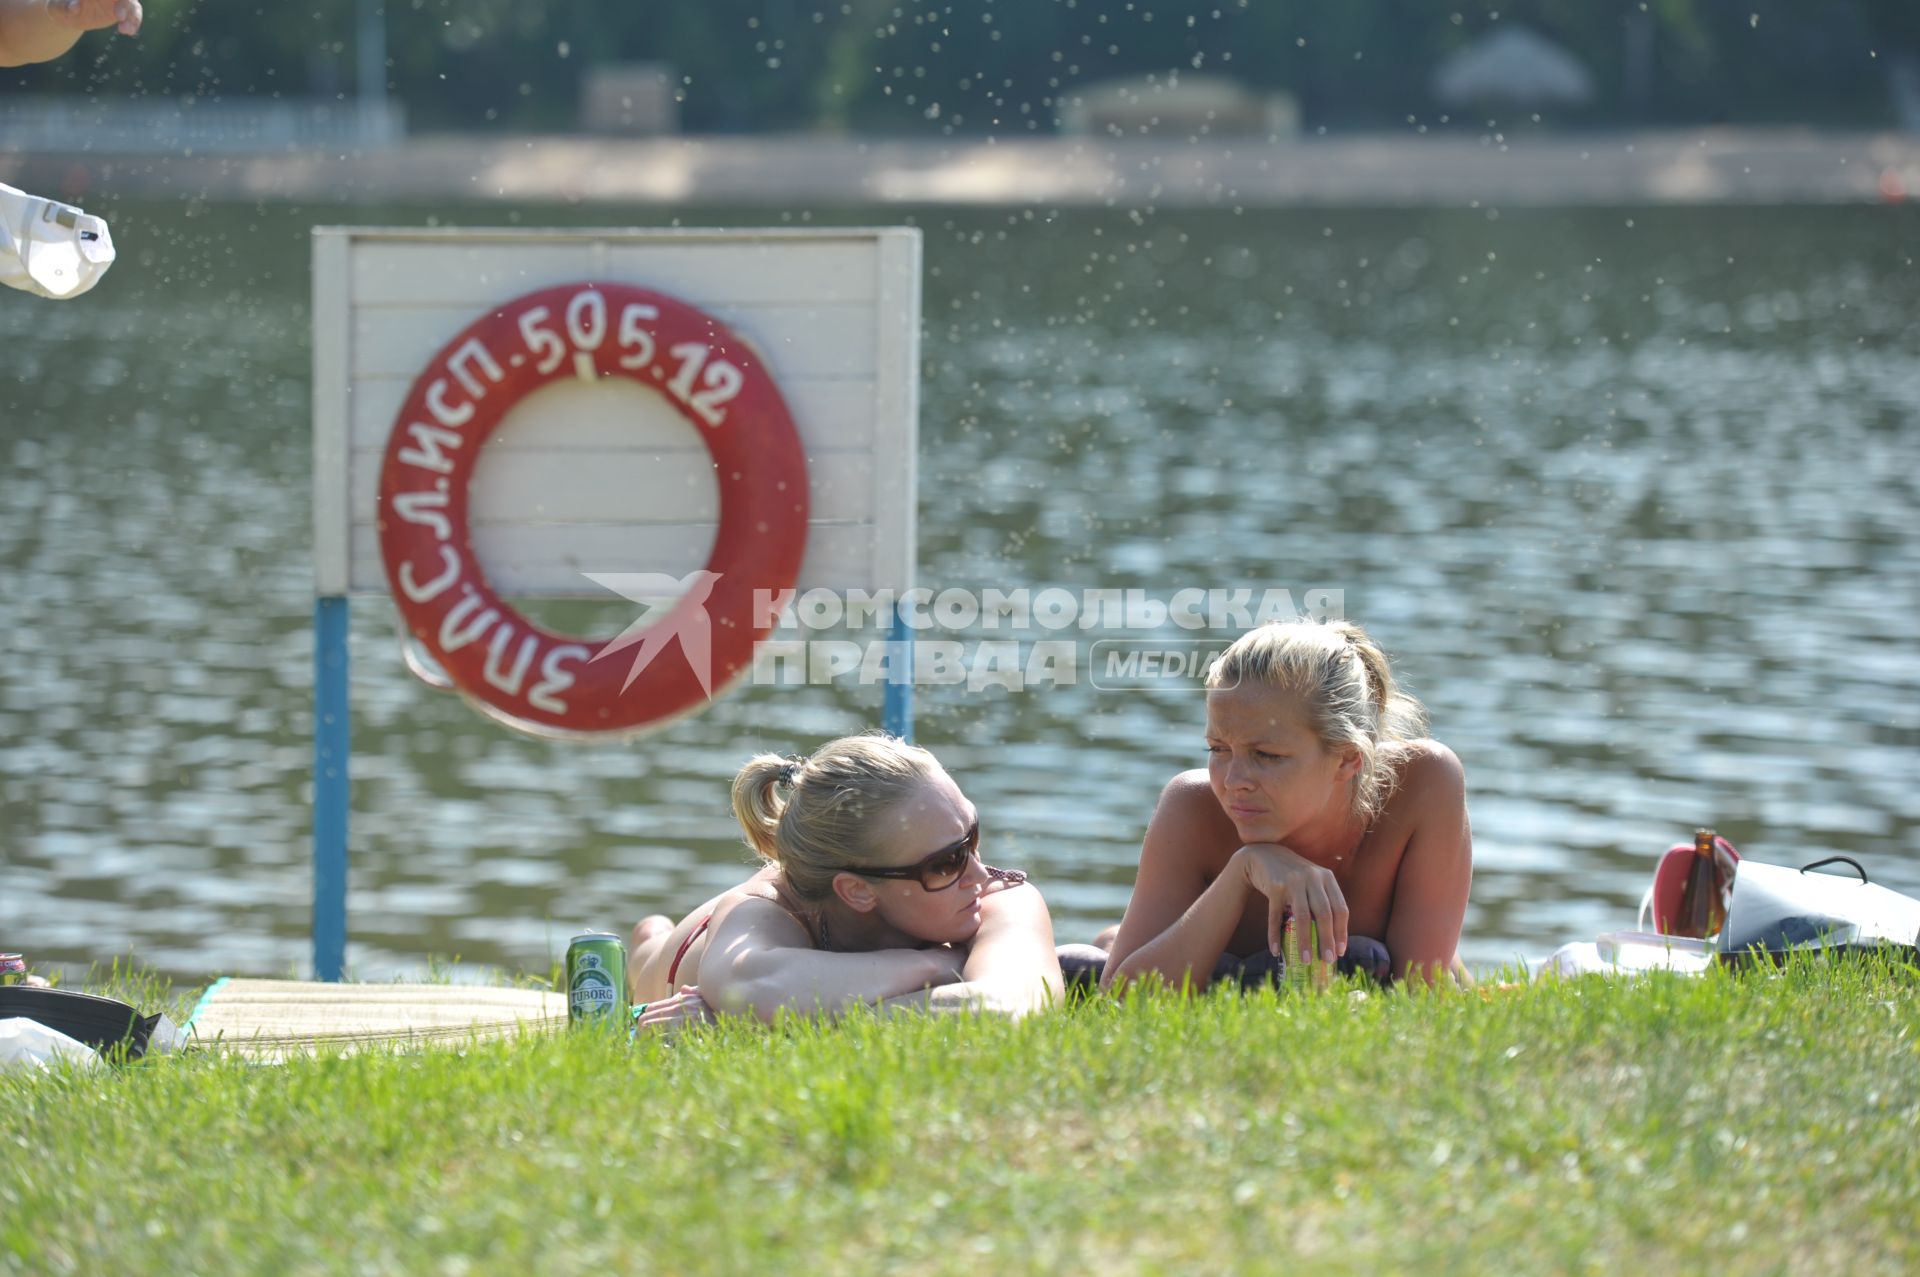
973 996
814 982
29 34
1185 953
1010 967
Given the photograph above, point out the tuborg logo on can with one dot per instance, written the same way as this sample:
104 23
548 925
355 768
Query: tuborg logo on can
592 991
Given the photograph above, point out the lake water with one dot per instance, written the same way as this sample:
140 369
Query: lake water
1630 495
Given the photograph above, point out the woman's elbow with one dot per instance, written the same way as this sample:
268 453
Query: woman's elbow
730 994
1433 972
1117 974
1130 969
1009 999
1041 995
1016 1011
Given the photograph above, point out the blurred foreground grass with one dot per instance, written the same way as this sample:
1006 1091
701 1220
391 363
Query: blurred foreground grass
1760 1123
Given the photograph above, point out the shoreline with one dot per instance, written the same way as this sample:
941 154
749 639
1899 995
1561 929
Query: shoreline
1678 166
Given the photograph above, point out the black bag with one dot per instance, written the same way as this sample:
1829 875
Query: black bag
102 1023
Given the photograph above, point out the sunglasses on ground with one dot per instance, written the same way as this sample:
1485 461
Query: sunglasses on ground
936 872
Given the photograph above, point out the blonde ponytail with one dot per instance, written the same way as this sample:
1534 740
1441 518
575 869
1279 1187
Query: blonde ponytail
815 816
757 804
1400 716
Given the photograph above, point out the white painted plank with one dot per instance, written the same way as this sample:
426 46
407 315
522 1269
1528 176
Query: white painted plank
636 485
619 234
548 560
470 274
896 447
833 414
796 341
330 414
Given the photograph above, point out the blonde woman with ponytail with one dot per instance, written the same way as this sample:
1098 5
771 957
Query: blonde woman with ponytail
871 892
1322 799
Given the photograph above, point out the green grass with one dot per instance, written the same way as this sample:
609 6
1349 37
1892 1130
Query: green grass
1756 1124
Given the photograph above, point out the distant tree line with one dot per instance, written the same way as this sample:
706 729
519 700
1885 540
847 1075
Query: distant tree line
977 67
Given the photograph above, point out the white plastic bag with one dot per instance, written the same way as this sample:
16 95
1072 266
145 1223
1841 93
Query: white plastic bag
49 248
29 1044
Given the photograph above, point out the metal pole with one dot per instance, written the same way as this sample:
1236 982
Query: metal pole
370 71
370 48
897 713
331 746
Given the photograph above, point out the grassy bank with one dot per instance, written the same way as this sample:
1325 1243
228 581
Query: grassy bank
1758 1124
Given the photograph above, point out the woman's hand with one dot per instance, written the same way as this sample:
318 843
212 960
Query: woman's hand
1009 968
684 1010
947 964
1293 884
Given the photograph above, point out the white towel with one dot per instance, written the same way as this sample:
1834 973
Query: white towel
1627 953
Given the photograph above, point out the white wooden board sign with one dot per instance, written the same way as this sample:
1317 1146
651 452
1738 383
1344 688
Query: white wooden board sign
606 475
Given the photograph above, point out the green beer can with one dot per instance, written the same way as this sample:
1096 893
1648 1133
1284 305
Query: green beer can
597 980
1297 976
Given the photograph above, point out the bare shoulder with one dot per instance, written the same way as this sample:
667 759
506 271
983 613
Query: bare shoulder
745 909
1189 832
1428 767
1189 796
1429 785
1013 905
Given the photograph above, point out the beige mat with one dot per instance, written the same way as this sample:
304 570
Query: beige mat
271 1019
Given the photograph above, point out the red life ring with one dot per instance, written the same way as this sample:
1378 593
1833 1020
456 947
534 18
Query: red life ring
492 653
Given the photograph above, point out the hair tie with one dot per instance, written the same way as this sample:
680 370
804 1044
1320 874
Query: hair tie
788 772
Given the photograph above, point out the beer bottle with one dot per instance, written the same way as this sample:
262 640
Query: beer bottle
1700 907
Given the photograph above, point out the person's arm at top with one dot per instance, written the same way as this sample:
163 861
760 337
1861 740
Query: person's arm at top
760 960
1436 871
1011 967
41 30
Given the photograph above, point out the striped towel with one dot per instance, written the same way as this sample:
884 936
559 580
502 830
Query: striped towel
273 1019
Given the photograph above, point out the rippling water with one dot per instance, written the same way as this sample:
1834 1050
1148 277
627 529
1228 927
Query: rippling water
1628 493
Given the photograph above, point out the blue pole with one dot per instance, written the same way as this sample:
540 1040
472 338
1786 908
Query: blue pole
331 745
897 714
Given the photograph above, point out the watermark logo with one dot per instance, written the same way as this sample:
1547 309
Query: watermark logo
1009 639
1050 609
662 624
1141 665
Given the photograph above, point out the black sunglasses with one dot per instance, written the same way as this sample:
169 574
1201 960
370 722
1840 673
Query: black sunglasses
936 872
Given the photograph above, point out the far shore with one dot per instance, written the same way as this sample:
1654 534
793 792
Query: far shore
1681 166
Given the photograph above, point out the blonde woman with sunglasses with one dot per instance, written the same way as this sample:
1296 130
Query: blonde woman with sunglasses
872 893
